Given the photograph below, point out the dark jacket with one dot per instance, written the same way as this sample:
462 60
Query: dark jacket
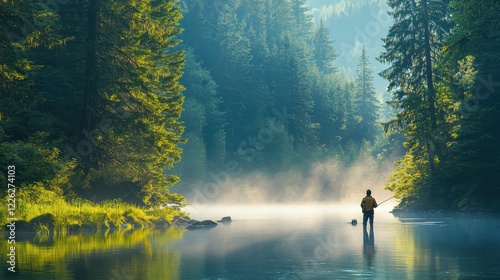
370 203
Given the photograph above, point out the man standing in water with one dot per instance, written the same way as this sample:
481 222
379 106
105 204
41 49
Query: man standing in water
367 205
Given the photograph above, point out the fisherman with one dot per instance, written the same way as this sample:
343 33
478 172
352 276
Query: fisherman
367 205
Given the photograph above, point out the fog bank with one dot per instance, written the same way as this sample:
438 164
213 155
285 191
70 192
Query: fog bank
327 181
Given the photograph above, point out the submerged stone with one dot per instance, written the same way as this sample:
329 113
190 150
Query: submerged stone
206 224
25 227
226 219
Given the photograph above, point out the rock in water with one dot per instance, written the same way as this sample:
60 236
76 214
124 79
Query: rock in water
354 222
179 221
23 226
47 220
202 225
226 219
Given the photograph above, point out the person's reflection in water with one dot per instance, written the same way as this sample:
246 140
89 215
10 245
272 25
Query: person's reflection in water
368 246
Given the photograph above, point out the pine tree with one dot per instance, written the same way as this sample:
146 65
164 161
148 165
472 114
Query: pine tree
413 47
130 99
471 168
279 19
264 59
204 121
366 103
28 131
324 52
25 26
302 19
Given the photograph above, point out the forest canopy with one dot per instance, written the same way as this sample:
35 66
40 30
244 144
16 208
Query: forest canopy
125 99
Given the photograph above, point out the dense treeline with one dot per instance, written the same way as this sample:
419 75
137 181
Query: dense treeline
90 98
262 89
444 73
100 99
92 94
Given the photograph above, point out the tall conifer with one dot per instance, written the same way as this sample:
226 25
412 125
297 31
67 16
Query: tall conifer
366 103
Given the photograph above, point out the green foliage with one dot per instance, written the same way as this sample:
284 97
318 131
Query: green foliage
257 62
99 86
470 164
412 47
35 200
453 162
410 172
141 96
324 52
98 83
24 25
37 163
366 103
202 114
194 156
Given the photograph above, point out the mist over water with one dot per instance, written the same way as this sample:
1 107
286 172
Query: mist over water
281 242
281 211
325 182
317 241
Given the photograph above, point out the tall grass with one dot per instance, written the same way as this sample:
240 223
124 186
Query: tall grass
34 201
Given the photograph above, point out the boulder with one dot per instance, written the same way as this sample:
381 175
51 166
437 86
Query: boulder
206 224
22 230
226 219
179 221
23 226
47 220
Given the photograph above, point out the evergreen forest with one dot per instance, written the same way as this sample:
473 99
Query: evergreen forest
152 101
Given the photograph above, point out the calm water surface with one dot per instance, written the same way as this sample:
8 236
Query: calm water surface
281 242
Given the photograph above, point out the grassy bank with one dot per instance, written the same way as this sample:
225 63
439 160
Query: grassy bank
78 214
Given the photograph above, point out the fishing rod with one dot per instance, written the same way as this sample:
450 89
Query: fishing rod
386 200
355 222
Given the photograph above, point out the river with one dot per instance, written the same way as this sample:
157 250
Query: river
274 242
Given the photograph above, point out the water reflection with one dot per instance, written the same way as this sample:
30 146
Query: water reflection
105 255
292 245
450 245
368 246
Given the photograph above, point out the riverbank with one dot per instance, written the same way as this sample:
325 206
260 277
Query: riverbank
43 211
